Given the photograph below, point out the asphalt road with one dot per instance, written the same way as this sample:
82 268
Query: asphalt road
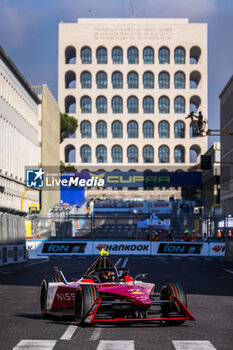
207 281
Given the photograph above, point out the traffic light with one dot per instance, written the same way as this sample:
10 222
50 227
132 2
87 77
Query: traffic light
206 163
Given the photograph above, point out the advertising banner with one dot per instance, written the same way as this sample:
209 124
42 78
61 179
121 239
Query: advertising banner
179 248
123 247
217 249
65 248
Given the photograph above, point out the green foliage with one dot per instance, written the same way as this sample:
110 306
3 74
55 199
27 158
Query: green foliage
67 168
68 126
195 167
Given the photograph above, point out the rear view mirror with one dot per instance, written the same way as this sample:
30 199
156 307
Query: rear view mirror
141 276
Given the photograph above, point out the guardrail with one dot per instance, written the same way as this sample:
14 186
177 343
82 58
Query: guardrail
40 248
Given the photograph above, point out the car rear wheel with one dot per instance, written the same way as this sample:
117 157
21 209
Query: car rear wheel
85 297
169 289
43 297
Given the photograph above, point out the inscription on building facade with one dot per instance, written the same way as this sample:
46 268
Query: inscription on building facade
133 33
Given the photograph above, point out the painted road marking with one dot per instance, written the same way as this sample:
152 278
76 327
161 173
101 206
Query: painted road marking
118 262
125 262
96 334
35 345
69 332
116 345
193 345
229 271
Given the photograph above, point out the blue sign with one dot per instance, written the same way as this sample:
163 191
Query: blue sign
35 178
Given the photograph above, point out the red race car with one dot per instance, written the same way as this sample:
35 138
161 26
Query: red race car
106 293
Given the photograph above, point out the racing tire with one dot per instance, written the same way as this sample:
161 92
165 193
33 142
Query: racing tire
85 297
43 297
169 289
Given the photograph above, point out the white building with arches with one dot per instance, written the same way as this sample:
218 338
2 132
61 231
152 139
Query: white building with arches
131 83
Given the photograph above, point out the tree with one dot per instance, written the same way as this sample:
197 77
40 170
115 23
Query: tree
67 168
68 126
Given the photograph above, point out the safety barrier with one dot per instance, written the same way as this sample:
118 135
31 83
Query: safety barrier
12 254
40 248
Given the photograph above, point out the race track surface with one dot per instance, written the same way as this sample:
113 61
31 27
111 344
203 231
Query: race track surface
207 281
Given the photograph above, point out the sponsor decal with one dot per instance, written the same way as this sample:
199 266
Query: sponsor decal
180 248
124 247
137 293
218 248
61 248
65 296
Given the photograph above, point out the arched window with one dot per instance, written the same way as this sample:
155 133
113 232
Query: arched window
194 153
179 80
117 130
86 55
70 154
132 104
101 154
148 55
194 103
164 80
148 130
117 154
164 55
195 53
101 104
86 129
179 104
148 80
86 104
179 55
117 55
117 104
148 104
179 129
101 80
101 130
164 104
164 130
70 80
101 55
194 80
163 154
132 154
148 154
132 80
86 154
132 129
117 80
179 154
132 55
70 55
86 80
70 104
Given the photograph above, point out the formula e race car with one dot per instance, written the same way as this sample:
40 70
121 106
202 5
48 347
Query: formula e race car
106 293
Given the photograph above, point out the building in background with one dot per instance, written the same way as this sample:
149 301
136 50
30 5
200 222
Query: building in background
131 83
49 142
19 136
19 147
211 179
226 120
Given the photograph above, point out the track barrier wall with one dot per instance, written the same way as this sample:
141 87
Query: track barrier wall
43 248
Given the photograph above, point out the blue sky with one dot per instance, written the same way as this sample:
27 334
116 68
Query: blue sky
29 34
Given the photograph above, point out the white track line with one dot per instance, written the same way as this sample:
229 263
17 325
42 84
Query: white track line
69 332
229 271
125 262
96 334
35 345
116 345
193 345
118 262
